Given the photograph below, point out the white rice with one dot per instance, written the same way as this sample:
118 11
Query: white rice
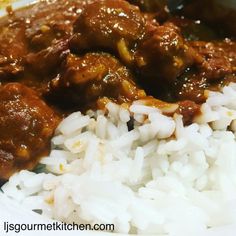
159 177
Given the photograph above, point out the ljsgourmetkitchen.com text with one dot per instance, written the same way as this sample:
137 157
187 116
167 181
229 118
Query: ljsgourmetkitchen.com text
56 226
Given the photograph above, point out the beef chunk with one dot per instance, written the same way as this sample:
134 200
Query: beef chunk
11 56
26 126
50 21
104 23
85 79
189 110
9 67
47 61
219 58
190 86
164 53
217 69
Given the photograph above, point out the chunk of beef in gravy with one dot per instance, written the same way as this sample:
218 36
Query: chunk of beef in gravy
85 79
50 21
164 54
26 126
217 69
219 58
190 86
47 61
11 56
107 24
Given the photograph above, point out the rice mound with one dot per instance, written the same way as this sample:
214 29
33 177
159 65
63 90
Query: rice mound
140 170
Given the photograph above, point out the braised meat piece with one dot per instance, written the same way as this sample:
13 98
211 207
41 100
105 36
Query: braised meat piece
219 58
26 126
164 53
108 24
47 61
188 109
85 79
50 21
9 67
218 68
11 55
190 86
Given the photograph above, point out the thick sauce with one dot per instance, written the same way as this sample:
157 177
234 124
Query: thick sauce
60 56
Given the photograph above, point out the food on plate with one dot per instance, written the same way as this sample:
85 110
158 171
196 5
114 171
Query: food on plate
138 169
113 104
27 125
85 79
